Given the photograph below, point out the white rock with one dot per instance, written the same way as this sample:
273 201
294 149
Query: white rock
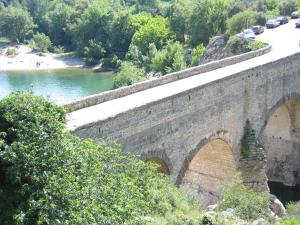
212 207
260 222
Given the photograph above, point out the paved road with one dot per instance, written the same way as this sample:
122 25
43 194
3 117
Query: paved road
284 41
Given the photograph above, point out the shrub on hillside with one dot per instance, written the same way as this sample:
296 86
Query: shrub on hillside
48 176
170 59
197 53
128 75
40 42
93 52
255 45
293 210
249 205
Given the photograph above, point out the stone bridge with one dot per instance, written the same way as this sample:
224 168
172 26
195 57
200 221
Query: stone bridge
193 127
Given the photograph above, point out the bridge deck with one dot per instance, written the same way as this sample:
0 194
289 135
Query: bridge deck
284 41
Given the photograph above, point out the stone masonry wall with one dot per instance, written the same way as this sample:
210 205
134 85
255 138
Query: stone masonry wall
178 126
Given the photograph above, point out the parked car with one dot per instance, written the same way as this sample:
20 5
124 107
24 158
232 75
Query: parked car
248 33
282 20
297 23
272 23
258 29
295 15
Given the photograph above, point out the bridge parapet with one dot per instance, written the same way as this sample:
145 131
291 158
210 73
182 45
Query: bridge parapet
124 91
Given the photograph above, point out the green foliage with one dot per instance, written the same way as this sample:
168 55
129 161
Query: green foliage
15 23
255 45
240 21
93 52
249 205
49 176
128 75
197 53
58 21
293 211
207 19
40 42
286 7
271 4
291 222
170 59
157 31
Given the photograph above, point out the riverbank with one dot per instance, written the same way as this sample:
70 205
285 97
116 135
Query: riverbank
26 59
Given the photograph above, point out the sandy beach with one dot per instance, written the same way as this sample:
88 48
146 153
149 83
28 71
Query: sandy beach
29 60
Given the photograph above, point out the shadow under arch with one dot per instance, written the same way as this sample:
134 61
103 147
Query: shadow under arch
161 159
206 168
280 136
290 97
220 135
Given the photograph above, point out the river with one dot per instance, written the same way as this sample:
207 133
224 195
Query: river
60 86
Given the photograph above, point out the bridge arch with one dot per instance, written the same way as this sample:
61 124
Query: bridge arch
280 136
207 166
159 158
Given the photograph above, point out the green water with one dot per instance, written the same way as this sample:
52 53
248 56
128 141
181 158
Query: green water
60 86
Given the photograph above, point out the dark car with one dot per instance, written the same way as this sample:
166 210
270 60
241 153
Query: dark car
282 20
272 23
258 29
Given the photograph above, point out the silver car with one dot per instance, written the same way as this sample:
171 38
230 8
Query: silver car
297 23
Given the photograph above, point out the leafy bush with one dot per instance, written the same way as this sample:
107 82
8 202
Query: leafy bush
11 52
170 59
197 53
40 42
93 52
128 75
293 211
291 222
240 21
248 204
157 31
49 176
255 45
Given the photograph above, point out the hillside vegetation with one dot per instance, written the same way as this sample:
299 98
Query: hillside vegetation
134 36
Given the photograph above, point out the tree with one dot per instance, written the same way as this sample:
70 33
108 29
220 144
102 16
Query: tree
121 33
170 59
15 23
271 4
93 52
58 21
128 75
240 21
178 14
286 7
197 53
208 18
40 42
97 15
48 176
156 31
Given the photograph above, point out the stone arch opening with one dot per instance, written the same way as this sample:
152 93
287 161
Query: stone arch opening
281 140
213 163
162 166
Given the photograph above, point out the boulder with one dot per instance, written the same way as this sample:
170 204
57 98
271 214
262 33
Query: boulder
260 222
277 206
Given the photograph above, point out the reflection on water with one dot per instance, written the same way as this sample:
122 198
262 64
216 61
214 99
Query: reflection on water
284 193
60 86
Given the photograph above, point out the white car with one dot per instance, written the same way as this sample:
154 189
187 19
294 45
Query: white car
248 33
297 23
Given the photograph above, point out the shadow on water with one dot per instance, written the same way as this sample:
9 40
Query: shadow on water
284 193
